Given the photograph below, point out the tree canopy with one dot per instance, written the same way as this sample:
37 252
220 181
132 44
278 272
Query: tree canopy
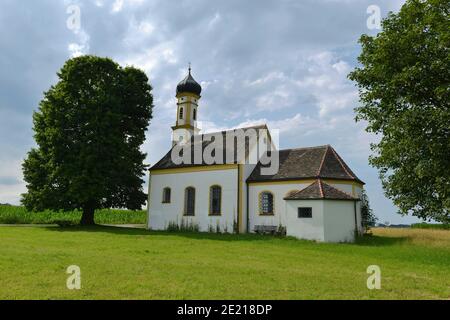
368 218
404 83
89 128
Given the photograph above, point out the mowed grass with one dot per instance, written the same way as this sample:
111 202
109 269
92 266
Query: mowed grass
19 215
118 263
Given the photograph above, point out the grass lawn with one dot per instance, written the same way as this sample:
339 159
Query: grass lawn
119 263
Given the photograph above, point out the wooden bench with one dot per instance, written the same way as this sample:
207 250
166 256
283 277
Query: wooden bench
265 229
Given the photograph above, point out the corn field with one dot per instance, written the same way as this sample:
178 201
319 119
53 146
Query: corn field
19 215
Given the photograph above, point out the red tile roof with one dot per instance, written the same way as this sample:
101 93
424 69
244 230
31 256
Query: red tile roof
320 190
307 163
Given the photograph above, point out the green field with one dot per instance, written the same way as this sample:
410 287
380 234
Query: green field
18 215
118 263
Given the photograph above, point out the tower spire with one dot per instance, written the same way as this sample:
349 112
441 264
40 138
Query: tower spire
187 94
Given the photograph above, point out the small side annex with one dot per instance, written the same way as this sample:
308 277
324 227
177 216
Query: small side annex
314 195
321 212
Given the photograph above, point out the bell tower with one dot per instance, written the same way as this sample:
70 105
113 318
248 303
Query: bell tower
188 96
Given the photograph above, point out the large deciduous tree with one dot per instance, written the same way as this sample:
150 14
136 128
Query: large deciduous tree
89 128
404 84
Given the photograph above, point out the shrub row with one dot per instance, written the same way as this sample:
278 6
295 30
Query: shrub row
425 225
19 215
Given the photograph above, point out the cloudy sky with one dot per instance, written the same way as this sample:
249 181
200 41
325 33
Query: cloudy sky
281 62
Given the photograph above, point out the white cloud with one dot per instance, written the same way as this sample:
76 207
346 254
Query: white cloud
214 21
11 181
99 3
81 47
271 76
11 193
327 82
283 63
152 58
118 5
138 34
279 98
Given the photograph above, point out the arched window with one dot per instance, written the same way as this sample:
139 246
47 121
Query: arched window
181 113
215 200
266 203
166 195
194 114
189 201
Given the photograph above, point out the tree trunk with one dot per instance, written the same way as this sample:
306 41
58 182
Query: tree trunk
87 218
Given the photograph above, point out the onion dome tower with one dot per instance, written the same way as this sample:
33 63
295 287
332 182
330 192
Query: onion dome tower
188 95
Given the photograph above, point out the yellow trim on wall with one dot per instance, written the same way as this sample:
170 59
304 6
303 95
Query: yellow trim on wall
188 106
240 215
183 126
349 182
187 94
213 167
260 204
262 183
188 113
178 115
305 181
209 201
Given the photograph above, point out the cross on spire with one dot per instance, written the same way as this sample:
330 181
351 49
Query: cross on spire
189 68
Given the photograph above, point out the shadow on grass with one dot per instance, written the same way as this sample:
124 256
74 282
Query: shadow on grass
376 241
144 232
371 241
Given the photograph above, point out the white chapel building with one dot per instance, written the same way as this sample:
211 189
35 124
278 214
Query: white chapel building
313 195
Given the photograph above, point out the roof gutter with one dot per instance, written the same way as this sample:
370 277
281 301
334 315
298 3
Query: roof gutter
247 208
356 217
148 198
303 178
238 199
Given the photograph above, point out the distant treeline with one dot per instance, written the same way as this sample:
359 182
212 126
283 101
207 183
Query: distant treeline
425 225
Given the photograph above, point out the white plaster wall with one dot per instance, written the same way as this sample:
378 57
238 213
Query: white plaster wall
248 168
348 188
247 171
182 135
306 228
160 214
339 221
282 207
279 191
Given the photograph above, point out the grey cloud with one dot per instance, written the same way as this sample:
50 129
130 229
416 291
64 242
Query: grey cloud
9 181
231 45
